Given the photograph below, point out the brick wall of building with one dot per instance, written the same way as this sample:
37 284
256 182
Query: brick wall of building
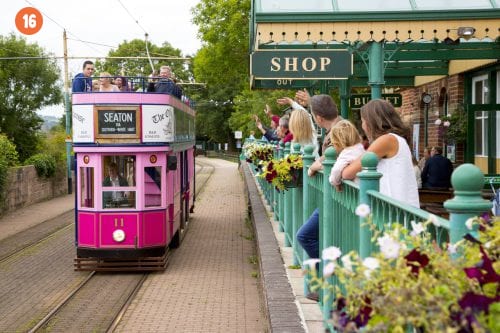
448 90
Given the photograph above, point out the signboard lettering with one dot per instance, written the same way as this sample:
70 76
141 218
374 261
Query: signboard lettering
116 122
301 64
359 100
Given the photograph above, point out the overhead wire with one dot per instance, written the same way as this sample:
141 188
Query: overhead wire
145 34
62 27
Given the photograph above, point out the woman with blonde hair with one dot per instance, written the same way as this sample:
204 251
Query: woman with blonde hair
346 140
105 83
389 138
302 128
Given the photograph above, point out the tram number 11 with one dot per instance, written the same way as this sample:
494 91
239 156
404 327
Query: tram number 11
284 82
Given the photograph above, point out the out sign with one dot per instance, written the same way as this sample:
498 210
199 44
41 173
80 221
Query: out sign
29 21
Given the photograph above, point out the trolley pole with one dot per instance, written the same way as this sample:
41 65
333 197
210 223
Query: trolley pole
67 107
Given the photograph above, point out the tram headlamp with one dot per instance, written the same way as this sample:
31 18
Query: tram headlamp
119 235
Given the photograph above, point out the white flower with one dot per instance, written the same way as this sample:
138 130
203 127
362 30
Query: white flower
418 228
438 122
434 220
446 123
363 210
347 263
452 248
389 247
371 264
331 253
329 269
469 223
311 263
487 245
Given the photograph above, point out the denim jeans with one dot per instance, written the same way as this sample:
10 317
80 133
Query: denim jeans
308 235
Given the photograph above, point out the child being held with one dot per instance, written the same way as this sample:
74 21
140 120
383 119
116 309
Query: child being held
346 140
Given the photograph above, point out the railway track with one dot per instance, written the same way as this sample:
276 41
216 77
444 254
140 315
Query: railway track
60 299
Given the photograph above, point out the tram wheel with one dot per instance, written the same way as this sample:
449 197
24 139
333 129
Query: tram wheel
176 240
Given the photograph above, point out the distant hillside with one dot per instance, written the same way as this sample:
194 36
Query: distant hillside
49 122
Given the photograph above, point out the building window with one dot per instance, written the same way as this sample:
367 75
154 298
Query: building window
480 96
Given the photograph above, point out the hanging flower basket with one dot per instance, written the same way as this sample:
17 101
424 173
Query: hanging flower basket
283 173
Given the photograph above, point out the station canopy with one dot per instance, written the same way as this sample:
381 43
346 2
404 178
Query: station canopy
420 38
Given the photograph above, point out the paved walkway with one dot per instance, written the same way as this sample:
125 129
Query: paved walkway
209 285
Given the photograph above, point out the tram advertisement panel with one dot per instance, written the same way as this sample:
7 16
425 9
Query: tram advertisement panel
117 122
83 124
158 123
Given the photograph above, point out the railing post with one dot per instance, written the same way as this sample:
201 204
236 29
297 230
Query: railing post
308 204
281 196
287 221
297 214
368 180
467 181
326 225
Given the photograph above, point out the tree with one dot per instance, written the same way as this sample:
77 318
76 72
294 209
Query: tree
142 67
26 85
222 63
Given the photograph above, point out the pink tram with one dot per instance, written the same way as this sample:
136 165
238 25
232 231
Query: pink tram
134 154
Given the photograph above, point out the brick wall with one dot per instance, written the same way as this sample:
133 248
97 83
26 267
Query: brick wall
413 109
24 188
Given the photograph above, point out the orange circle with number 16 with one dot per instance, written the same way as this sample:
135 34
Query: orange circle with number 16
29 20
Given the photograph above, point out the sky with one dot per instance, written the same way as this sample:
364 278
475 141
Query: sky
96 26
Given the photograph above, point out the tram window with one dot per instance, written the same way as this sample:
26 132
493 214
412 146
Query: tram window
118 171
87 187
152 186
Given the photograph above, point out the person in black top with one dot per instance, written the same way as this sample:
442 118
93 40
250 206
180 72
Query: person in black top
165 84
437 171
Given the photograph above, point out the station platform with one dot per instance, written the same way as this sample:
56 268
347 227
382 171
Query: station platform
216 281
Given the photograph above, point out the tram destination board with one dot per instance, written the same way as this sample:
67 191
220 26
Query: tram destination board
117 122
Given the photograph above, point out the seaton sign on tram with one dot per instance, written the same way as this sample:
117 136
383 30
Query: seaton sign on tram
301 64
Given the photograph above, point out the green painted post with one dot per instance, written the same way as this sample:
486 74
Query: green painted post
368 180
308 205
280 194
296 213
376 69
287 198
467 181
344 99
326 225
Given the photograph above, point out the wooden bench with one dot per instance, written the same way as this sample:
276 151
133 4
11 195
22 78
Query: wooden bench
432 200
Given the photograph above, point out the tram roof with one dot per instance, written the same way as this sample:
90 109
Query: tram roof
423 36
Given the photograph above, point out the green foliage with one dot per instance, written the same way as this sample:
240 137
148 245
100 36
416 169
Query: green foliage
26 85
457 131
8 158
53 143
253 102
222 63
45 164
142 67
9 153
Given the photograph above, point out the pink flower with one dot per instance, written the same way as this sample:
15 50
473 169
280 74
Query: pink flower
438 122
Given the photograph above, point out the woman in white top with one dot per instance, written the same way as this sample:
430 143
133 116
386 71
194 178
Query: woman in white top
302 128
105 83
389 141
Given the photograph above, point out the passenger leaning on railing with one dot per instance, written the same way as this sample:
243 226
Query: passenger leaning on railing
389 140
347 143
325 114
83 81
164 83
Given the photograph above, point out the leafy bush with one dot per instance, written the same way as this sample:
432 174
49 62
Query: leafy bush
45 164
8 158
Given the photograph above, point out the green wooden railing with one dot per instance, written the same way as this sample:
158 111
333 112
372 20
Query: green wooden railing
341 227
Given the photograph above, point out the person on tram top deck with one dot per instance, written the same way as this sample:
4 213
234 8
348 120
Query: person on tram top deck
83 81
165 84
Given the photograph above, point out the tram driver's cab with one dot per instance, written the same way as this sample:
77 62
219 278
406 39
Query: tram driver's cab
116 172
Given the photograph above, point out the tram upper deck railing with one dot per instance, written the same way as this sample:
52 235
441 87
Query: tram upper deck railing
131 117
